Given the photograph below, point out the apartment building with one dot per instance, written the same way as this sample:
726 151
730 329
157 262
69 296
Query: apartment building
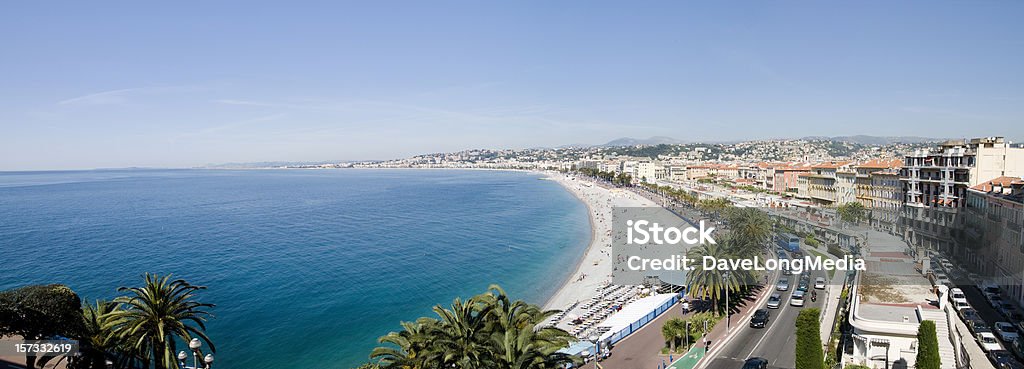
785 177
831 183
803 185
993 224
936 182
886 197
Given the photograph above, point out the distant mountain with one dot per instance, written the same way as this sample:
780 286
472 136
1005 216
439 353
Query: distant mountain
877 140
628 141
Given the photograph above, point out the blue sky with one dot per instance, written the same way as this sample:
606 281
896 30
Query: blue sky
119 84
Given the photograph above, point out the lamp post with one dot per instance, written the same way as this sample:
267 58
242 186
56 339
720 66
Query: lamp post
195 344
181 359
728 311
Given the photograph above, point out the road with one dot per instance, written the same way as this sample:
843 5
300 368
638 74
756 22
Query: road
774 342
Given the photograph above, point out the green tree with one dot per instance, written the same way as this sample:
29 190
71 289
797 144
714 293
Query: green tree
927 346
154 315
489 330
809 354
40 312
751 230
98 342
712 283
851 212
674 330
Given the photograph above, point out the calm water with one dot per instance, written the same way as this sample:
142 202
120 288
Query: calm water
307 268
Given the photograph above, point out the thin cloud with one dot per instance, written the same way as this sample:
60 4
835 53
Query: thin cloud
101 98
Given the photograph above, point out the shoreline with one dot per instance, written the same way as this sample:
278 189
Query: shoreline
593 269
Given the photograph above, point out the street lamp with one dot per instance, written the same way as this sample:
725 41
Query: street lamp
195 344
181 358
728 311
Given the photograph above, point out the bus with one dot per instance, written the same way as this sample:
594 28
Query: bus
788 241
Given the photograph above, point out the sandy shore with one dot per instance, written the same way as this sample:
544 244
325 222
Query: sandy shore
595 268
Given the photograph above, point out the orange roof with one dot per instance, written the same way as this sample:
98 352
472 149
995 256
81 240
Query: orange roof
831 165
882 163
1001 181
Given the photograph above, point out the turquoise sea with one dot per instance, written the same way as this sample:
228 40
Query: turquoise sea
307 267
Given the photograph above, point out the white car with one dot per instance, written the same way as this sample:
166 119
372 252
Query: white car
797 299
819 283
957 295
1006 331
988 341
960 305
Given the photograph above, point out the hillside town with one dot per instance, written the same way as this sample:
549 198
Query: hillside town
939 216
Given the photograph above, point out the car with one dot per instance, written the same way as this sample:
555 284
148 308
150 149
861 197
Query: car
1007 310
760 318
995 301
802 286
988 341
960 305
1001 359
783 285
978 325
774 301
797 299
1006 331
957 294
755 363
819 283
967 314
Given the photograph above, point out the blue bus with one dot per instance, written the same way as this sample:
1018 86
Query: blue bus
788 241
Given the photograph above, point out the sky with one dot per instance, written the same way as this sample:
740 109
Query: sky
181 84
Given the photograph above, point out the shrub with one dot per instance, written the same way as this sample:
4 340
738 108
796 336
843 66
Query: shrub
927 346
809 354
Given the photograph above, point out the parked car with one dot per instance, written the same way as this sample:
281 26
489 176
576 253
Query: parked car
755 363
774 301
978 325
1006 331
988 341
995 300
819 283
967 314
1008 310
1001 359
960 305
783 285
797 299
760 318
957 294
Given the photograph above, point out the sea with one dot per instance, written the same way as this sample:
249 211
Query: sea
307 268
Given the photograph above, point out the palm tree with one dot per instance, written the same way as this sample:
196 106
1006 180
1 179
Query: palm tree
406 349
712 283
669 333
751 229
153 316
462 333
489 330
518 341
99 343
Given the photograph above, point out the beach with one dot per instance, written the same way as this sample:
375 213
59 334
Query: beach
594 269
